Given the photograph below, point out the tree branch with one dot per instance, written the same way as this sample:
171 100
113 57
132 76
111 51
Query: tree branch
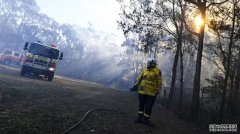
184 21
169 28
163 28
174 17
193 2
214 62
216 3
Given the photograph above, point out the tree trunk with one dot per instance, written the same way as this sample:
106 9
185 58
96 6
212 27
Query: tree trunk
165 97
234 108
230 101
201 105
181 65
174 68
223 101
174 72
197 78
181 81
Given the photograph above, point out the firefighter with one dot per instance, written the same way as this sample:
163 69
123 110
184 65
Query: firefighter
149 84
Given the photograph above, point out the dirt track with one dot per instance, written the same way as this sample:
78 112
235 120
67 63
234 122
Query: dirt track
34 105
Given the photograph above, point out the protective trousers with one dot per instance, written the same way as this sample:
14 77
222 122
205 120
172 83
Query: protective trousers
145 105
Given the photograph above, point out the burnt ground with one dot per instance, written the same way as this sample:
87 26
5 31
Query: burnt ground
34 105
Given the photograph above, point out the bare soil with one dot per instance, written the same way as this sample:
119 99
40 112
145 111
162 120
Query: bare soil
33 105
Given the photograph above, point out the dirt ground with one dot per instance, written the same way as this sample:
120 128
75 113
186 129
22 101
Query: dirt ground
34 105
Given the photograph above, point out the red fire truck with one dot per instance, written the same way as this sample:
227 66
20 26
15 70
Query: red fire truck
11 57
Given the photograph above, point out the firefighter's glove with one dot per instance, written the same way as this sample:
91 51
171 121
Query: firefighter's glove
134 88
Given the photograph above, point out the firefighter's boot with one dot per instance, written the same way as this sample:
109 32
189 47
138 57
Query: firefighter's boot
139 118
146 121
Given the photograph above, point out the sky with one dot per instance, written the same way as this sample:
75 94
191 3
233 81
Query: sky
102 15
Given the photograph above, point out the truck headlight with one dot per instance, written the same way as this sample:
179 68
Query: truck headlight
51 69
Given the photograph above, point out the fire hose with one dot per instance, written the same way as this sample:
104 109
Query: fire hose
90 111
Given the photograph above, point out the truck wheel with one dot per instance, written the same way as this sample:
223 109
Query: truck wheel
23 71
50 76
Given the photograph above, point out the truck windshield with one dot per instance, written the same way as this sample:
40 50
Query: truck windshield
42 50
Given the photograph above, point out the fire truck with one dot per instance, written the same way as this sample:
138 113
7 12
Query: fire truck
40 59
11 57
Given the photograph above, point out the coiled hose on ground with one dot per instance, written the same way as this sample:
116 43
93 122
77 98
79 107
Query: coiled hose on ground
90 111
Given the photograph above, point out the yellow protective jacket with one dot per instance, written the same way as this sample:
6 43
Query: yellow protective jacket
150 81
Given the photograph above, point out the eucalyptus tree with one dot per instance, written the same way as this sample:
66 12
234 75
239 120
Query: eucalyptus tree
171 14
225 26
8 9
202 7
131 59
136 20
161 21
234 4
21 21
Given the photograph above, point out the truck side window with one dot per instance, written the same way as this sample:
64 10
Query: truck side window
8 52
17 54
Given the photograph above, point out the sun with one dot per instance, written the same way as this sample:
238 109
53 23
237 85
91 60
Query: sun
198 22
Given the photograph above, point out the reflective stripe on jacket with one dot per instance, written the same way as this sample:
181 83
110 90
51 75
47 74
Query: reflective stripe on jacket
150 81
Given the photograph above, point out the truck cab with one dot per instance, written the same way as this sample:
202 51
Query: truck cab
10 57
40 59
